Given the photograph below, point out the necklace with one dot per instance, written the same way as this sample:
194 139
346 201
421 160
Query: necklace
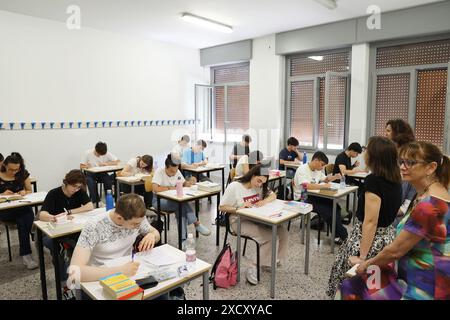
420 196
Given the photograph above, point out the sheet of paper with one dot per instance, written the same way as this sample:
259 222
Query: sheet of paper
269 209
36 196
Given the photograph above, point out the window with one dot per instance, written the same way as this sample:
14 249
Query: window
230 101
411 84
318 98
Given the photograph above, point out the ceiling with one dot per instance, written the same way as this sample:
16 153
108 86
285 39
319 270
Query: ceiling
159 19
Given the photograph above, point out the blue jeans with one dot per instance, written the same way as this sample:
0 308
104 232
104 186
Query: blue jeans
188 215
93 179
24 218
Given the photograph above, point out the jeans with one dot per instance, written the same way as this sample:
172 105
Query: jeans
188 215
93 179
324 207
23 217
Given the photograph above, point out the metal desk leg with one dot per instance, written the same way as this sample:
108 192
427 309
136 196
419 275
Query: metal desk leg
217 220
180 223
197 209
158 210
223 180
42 265
284 187
355 201
238 248
273 264
205 286
302 231
132 188
308 231
333 225
56 265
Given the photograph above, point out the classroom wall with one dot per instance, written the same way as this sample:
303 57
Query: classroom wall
50 73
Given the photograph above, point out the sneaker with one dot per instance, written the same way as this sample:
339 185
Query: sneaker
29 262
251 276
203 230
183 245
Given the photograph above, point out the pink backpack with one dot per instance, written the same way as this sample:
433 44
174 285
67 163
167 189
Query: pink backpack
224 270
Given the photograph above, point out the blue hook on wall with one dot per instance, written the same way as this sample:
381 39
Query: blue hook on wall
22 125
70 125
33 124
42 125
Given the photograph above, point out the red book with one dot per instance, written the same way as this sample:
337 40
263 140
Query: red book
135 295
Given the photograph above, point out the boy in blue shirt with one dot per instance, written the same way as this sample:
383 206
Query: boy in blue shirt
194 158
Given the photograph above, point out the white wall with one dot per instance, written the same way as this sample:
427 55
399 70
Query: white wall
266 96
50 73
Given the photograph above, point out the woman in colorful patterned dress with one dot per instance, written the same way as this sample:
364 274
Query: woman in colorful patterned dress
422 246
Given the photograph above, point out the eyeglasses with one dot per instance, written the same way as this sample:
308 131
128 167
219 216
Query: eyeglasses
408 163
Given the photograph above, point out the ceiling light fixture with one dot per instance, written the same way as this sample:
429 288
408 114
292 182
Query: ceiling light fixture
205 22
317 58
330 4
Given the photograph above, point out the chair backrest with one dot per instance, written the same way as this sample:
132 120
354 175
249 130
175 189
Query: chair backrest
329 168
148 183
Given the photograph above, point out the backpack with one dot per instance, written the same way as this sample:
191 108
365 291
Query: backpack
224 270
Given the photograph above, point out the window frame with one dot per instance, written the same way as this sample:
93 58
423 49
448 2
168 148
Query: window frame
412 71
226 85
316 100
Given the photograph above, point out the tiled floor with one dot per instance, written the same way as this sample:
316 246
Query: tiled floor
16 282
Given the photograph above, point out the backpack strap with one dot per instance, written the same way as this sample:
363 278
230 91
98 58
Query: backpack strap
219 257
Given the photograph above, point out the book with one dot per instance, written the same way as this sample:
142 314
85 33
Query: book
295 206
209 186
119 286
328 191
10 198
135 295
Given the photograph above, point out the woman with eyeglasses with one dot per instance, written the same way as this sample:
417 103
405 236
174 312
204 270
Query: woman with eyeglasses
421 250
248 191
67 199
377 209
15 180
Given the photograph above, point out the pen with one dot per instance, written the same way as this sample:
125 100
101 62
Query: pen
190 194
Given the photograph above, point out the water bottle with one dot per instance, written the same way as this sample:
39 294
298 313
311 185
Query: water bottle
342 185
191 254
109 200
305 158
179 188
304 194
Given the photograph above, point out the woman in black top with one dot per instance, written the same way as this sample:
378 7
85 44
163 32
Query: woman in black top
15 179
68 199
377 210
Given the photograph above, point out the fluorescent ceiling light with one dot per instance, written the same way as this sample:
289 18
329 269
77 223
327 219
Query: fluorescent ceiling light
317 58
330 4
206 22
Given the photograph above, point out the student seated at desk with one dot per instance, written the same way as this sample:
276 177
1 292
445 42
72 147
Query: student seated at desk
98 157
312 174
138 165
112 236
289 155
248 191
247 162
166 179
180 147
15 179
377 209
240 149
70 198
343 164
194 158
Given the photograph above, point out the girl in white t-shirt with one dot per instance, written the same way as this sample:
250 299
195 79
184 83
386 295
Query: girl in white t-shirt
248 191
182 144
166 179
138 165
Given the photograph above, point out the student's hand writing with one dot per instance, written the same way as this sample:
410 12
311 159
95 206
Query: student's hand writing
70 217
147 243
8 193
129 269
356 164
247 205
193 180
22 192
259 204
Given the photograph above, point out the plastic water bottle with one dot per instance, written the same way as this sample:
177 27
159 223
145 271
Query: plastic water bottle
191 253
304 194
109 200
179 187
342 185
305 158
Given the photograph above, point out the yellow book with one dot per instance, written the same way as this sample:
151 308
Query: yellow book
118 285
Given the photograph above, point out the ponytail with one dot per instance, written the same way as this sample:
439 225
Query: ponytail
443 172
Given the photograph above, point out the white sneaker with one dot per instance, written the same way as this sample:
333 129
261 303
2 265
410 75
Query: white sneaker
251 276
29 262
